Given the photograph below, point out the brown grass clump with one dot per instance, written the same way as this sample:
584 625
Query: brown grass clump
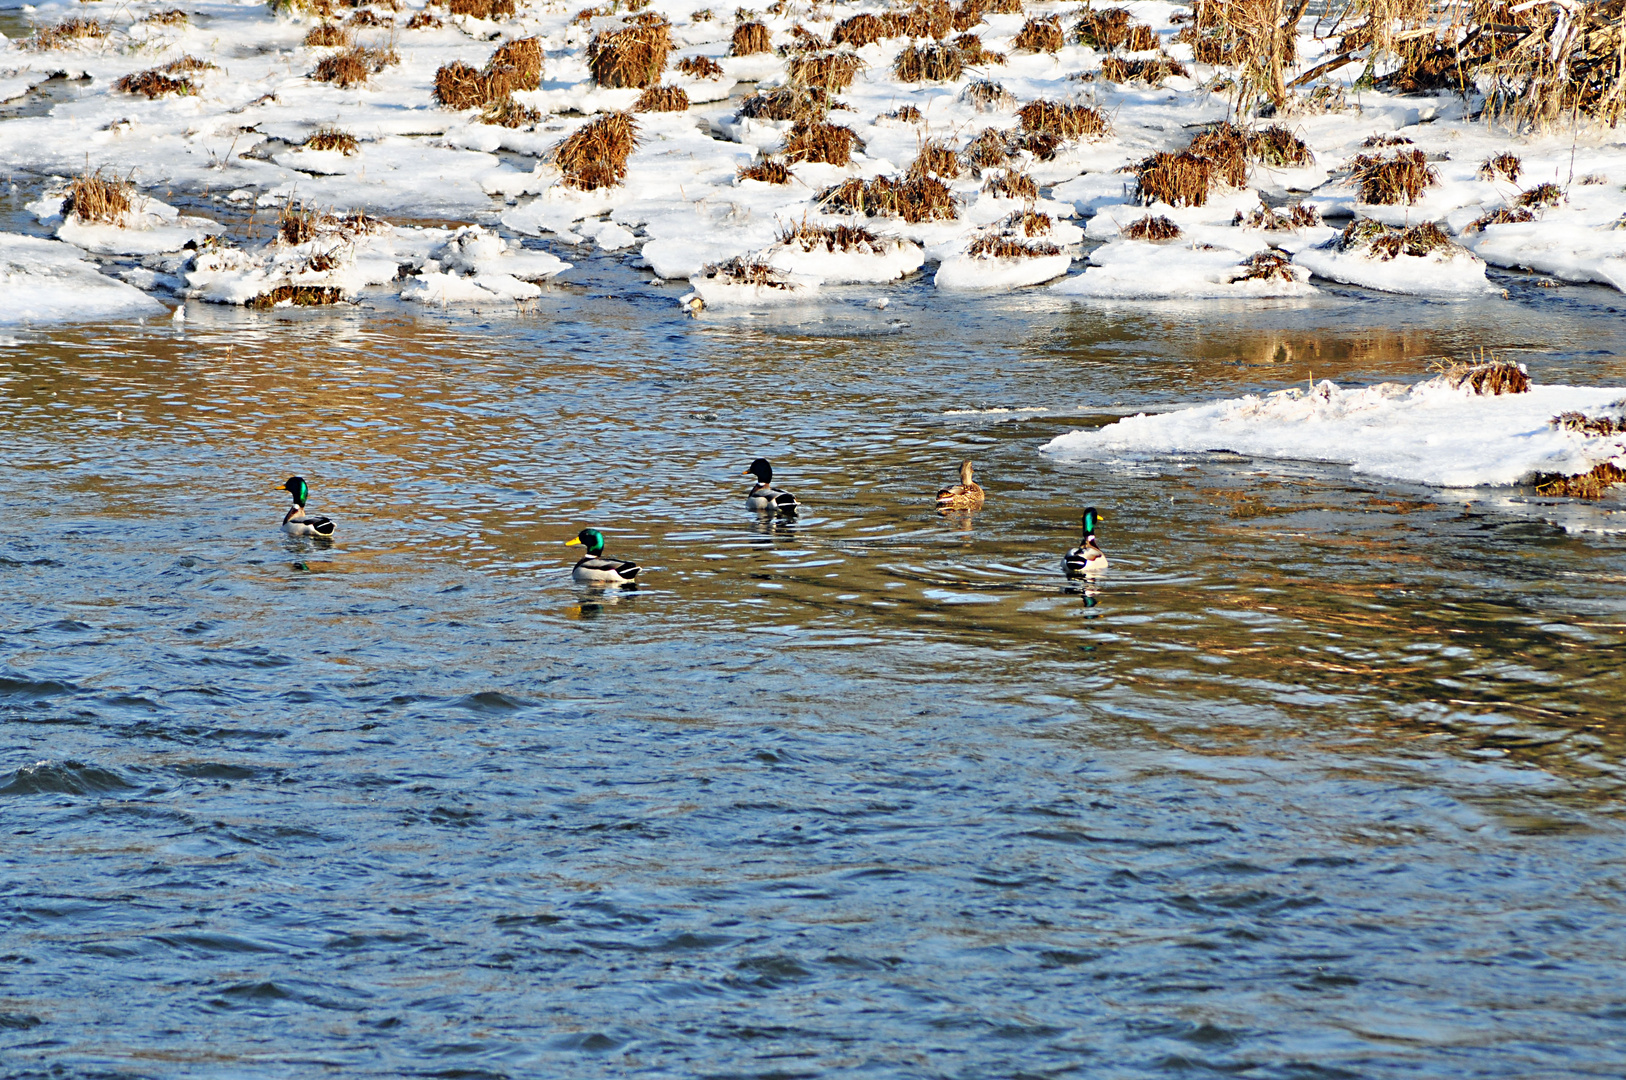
91 197
1151 72
700 67
1592 484
1040 34
153 84
422 20
1141 38
508 113
907 114
632 56
1268 266
328 36
701 15
1504 216
298 295
1041 145
985 95
1062 120
354 66
927 19
935 159
595 155
1485 377
461 86
1548 194
1277 146
1106 29
766 170
520 61
1011 184
1506 165
1297 216
1153 228
829 72
929 63
516 65
1008 247
482 9
1389 180
1591 426
66 33
332 138
831 238
986 151
186 65
1178 179
915 201
662 99
172 17
858 31
818 141
1226 146
1387 242
789 103
587 15
1384 141
741 270
969 14
750 38
368 17
973 53
297 225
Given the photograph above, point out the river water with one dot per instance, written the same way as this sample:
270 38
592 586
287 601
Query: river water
1322 780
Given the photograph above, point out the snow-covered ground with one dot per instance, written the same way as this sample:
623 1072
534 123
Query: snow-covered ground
237 139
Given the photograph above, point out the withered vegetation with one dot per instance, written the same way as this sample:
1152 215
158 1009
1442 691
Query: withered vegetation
66 33
508 113
1063 120
766 170
1401 178
1486 376
171 17
662 99
974 54
1106 29
1505 215
329 137
1592 484
749 39
1150 70
595 154
819 141
1507 165
154 83
1011 184
329 36
354 65
1591 426
516 65
1040 34
482 9
700 67
423 20
915 201
1178 179
810 237
1386 242
928 63
297 295
94 197
907 114
1153 228
1268 266
634 55
744 270
987 151
789 103
934 158
985 95
1547 194
1297 216
829 71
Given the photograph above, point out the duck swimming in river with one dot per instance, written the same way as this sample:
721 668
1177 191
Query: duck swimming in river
593 569
764 496
1086 558
294 522
965 495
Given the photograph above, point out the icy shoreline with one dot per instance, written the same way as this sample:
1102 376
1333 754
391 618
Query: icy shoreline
240 134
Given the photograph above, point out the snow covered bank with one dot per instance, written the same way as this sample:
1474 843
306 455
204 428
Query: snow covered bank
1430 433
49 281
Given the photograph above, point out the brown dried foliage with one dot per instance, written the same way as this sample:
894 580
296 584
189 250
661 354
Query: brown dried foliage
1487 378
1153 228
422 20
829 72
1548 194
92 197
1011 184
700 67
298 295
1503 216
1041 34
1150 71
66 33
907 114
153 84
1592 484
1061 119
1386 181
1268 266
749 39
662 99
354 66
986 151
482 9
1141 38
830 237
858 31
767 170
789 103
915 201
1388 242
985 95
928 63
1178 179
746 271
934 159
368 17
172 17
1506 165
508 113
328 36
632 56
1106 29
332 138
595 154
1297 216
818 141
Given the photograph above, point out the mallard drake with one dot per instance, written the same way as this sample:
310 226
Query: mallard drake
1086 558
294 522
965 495
764 496
593 569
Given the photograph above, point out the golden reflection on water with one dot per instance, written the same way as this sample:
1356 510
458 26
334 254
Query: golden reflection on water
1348 612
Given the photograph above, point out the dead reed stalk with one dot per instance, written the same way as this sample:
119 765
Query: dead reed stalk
749 39
93 197
1178 179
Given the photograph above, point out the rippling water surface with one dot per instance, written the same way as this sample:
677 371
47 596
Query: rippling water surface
1324 779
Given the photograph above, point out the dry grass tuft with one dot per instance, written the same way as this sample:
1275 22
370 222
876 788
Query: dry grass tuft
701 15
1277 146
766 170
700 67
1061 120
927 19
354 66
1153 228
367 17
1106 29
461 86
819 141
1548 194
1386 181
986 151
186 65
985 95
516 65
297 225
858 31
830 237
422 20
1488 378
1011 184
1385 141
1592 484
749 39
1040 34
1268 266
907 114
297 295
66 33
92 197
1507 165
595 155
172 17
1591 426
153 84
829 72
1151 71
332 138
1504 216
632 56
520 61
969 14
482 9
1008 247
1226 146
935 159
973 53
329 36
929 63
741 270
1178 179
1141 38
662 99
1387 242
